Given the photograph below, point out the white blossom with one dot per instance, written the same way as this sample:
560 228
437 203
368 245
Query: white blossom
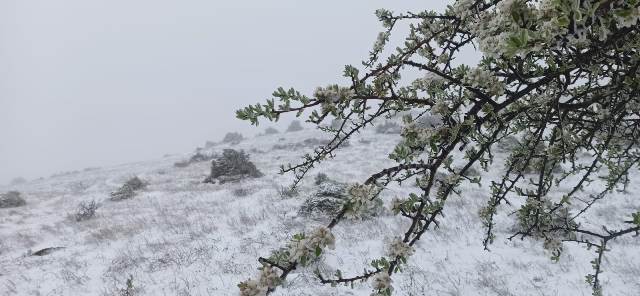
297 250
451 179
396 204
319 238
441 108
430 80
252 288
484 79
333 93
322 237
462 8
398 248
269 277
381 281
382 39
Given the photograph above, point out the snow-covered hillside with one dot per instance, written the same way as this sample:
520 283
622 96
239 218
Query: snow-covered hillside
180 236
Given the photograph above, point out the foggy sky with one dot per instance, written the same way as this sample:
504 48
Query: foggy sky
91 83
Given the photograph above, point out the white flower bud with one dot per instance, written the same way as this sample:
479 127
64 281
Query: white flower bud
399 248
252 288
381 281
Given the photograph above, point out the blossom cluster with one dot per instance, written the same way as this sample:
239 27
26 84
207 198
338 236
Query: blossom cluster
483 79
268 279
381 282
429 81
397 205
518 27
417 135
398 248
333 93
360 199
302 248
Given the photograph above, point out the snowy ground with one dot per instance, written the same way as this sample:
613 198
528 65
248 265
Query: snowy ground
182 237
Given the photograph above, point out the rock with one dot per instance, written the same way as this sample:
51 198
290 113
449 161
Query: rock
46 251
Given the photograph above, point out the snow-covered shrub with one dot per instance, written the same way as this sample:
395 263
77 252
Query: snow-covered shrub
233 138
472 172
428 121
209 144
317 206
11 199
288 192
562 75
182 164
364 141
270 131
18 181
388 127
508 144
306 143
295 126
199 156
86 210
128 189
330 196
241 192
321 178
129 289
335 123
327 200
232 166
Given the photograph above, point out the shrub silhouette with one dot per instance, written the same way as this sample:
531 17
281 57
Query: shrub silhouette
232 166
86 210
128 189
295 126
233 138
11 199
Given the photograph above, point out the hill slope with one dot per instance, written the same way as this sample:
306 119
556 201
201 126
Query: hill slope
180 236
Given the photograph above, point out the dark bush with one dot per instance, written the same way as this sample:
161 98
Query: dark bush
18 181
197 157
388 127
288 192
128 189
364 141
242 191
336 123
429 121
508 144
307 143
181 164
271 131
329 198
86 210
320 206
295 126
321 178
11 199
330 188
233 138
232 166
